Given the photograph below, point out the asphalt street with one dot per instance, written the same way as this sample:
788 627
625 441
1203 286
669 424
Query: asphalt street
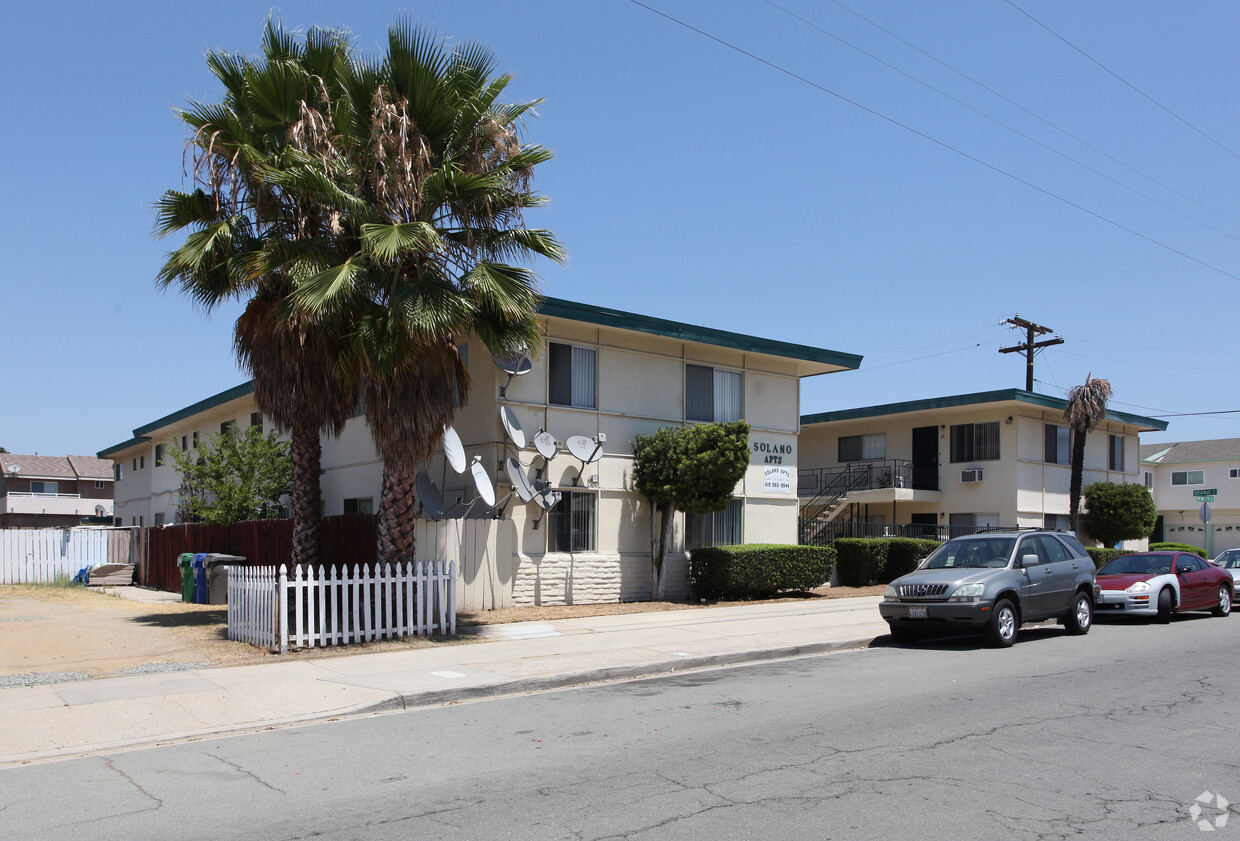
1115 734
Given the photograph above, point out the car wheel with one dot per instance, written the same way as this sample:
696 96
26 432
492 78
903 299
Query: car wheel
1081 616
1224 601
904 636
1165 608
1001 629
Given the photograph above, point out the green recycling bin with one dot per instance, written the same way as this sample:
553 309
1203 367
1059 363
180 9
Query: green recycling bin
186 562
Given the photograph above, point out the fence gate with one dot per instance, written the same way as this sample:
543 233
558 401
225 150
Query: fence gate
37 556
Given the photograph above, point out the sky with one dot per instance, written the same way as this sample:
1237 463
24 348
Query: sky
888 178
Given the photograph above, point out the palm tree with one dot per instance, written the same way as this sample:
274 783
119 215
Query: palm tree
257 222
1087 407
439 179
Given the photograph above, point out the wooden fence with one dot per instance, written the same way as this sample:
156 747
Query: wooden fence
336 606
35 556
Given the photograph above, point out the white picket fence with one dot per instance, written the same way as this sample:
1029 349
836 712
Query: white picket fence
36 556
323 607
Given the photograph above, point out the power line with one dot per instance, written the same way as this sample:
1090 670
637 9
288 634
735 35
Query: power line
933 140
1123 80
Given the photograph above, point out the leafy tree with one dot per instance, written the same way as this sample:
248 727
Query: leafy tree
234 477
3 450
692 469
1087 406
437 178
256 222
1116 512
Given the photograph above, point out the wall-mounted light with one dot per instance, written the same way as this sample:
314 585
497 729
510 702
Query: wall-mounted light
1009 420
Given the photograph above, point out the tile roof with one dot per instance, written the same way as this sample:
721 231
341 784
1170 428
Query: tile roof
1181 452
56 467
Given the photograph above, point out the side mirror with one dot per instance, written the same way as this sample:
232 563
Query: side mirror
1183 570
1027 560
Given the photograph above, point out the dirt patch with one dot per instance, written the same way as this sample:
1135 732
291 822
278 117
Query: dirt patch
64 633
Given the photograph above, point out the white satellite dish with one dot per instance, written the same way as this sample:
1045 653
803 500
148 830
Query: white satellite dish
520 482
586 449
512 426
486 490
453 450
428 495
547 498
544 442
516 366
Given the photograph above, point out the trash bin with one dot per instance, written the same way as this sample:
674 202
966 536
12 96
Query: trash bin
200 578
217 576
185 562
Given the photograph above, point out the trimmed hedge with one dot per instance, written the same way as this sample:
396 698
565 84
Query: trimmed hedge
1178 547
861 562
757 570
1105 556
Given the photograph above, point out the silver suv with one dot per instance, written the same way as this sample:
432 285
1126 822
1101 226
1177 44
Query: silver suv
992 582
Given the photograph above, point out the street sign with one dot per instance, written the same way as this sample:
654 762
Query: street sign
1205 492
1205 499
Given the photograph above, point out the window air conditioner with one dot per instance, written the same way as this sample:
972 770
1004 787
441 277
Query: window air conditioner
971 476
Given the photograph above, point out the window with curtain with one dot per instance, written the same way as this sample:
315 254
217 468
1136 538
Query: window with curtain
716 528
1116 461
1058 444
863 447
572 523
712 394
1188 477
975 441
572 376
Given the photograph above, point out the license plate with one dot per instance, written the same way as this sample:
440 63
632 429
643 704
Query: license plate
917 613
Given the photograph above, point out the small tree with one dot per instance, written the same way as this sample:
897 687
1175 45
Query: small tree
692 469
1118 512
235 477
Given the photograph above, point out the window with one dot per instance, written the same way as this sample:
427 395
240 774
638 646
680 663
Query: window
159 455
975 441
1116 458
572 523
718 528
256 419
1057 521
1188 477
1058 444
572 376
45 487
159 518
1149 480
863 447
195 440
135 464
227 425
118 471
360 505
98 484
142 462
141 520
1053 549
1233 473
712 394
184 443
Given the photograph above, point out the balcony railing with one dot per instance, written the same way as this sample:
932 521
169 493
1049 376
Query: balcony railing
822 532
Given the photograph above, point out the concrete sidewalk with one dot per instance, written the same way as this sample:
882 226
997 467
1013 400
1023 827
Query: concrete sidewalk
76 718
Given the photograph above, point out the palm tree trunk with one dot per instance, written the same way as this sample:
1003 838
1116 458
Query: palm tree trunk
306 451
396 516
1078 469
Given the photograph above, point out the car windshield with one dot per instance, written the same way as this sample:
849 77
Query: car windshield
1152 564
1229 560
972 552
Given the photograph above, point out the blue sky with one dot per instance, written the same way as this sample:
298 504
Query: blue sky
891 179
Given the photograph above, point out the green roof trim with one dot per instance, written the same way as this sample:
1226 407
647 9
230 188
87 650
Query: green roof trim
141 433
559 308
978 398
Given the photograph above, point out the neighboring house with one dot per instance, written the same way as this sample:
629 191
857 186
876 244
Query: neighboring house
601 374
54 491
950 465
1179 474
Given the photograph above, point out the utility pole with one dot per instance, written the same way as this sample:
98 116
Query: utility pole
1030 345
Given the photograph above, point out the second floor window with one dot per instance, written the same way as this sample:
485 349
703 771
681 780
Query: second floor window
975 441
1188 477
1058 444
572 376
712 394
862 447
159 455
225 426
1115 461
45 487
256 419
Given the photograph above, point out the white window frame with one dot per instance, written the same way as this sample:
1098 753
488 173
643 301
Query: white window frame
726 398
1115 453
977 442
1187 479
872 446
582 376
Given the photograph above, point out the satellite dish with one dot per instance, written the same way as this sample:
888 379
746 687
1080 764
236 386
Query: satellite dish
516 366
100 510
428 495
453 450
547 498
512 426
586 449
544 442
520 482
482 481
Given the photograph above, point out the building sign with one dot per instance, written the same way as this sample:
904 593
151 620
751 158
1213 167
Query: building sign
769 452
777 480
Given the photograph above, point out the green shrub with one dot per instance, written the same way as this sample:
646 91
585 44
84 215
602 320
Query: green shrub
903 556
1178 547
1105 556
757 570
859 561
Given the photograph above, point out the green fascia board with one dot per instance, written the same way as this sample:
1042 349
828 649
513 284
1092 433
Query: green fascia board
142 433
573 311
978 398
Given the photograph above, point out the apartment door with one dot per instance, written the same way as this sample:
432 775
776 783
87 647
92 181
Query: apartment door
926 458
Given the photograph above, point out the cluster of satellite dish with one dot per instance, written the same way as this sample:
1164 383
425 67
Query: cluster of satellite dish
586 450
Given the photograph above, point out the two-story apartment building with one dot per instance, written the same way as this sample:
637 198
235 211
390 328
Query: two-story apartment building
54 491
954 464
601 375
1181 476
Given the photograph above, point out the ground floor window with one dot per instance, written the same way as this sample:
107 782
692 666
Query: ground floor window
359 505
718 528
1057 521
572 523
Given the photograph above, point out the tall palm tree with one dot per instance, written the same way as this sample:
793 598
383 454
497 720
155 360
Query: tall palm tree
439 180
1087 407
257 222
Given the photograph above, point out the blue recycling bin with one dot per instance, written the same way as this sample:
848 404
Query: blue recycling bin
200 578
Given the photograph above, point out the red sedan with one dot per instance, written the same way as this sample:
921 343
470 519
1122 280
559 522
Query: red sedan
1162 583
